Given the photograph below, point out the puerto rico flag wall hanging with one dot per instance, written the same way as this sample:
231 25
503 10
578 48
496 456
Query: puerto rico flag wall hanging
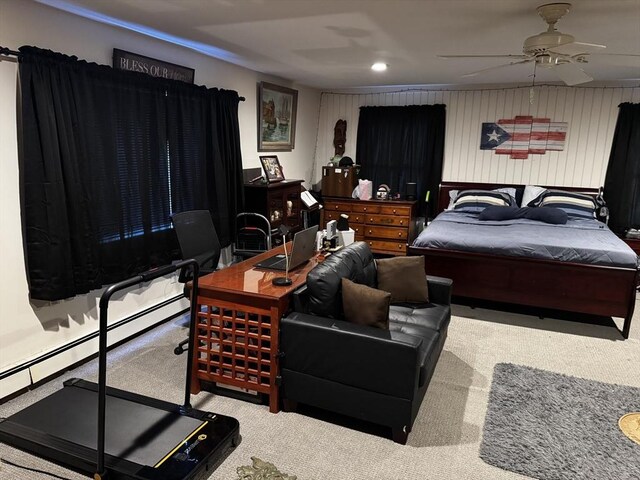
523 135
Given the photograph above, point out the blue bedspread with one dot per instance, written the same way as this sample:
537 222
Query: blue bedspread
579 240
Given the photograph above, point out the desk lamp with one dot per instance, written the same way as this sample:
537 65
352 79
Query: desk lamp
283 281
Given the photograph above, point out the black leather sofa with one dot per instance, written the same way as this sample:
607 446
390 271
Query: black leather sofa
364 372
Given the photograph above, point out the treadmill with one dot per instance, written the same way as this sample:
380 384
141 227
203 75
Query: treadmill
114 434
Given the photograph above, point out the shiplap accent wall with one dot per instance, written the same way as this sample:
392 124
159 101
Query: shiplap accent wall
590 111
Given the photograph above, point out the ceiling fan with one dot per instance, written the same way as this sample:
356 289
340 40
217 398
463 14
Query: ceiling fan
551 49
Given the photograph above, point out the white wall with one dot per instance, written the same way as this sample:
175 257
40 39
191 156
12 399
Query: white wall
29 329
590 111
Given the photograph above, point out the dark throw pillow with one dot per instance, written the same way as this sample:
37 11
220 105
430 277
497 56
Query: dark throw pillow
404 278
556 216
365 305
499 213
551 215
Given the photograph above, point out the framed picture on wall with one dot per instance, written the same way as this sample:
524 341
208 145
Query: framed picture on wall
276 118
272 168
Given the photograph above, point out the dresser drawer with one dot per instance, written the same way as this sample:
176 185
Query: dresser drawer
358 228
399 248
357 218
388 220
391 210
359 207
337 207
329 215
386 232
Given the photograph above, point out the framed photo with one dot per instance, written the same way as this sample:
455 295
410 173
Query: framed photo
272 168
276 118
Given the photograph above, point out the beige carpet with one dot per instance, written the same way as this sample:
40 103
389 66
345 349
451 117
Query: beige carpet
446 437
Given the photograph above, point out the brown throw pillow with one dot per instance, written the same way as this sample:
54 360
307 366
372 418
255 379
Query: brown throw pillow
404 278
365 305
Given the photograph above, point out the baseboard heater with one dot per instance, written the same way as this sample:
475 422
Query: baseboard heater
90 336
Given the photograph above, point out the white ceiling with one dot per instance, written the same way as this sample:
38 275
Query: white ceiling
331 44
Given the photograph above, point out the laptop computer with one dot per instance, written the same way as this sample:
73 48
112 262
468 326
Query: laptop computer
304 245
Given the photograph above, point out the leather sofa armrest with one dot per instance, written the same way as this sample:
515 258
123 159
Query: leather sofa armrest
301 299
357 355
439 289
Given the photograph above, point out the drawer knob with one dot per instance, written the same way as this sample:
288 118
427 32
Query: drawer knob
399 234
370 243
370 232
400 246
365 209
401 222
394 210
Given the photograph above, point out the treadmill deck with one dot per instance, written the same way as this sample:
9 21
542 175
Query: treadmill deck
143 435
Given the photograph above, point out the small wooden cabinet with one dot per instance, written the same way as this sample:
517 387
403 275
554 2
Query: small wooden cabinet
634 243
386 225
339 181
279 202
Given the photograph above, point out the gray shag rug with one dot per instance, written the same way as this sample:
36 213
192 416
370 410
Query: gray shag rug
552 426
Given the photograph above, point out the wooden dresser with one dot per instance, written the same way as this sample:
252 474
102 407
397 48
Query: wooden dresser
386 225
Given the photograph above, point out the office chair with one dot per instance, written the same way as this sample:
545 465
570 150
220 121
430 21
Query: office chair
198 239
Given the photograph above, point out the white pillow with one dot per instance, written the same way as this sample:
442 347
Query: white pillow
454 193
531 192
452 198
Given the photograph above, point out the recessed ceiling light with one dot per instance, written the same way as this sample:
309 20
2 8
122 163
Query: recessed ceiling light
379 67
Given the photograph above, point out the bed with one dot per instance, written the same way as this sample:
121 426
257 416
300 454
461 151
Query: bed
578 267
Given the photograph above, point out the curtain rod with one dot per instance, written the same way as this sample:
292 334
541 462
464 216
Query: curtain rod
7 52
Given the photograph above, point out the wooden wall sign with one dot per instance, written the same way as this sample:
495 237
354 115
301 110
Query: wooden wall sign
523 135
123 60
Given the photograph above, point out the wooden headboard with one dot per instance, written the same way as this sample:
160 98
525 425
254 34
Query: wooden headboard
446 187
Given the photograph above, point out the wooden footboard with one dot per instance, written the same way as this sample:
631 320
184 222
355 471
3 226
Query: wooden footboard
573 287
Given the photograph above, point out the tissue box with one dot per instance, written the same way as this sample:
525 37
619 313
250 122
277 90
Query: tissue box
347 237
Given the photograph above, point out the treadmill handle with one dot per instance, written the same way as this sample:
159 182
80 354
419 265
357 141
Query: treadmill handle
102 344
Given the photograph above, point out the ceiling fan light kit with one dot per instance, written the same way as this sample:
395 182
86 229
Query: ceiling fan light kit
551 49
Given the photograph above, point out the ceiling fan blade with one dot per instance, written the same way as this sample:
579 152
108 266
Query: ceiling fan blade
571 74
593 46
447 57
473 74
616 59
576 48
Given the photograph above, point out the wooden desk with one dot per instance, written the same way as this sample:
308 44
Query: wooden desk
237 325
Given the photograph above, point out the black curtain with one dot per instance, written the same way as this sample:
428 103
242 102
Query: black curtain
226 177
106 156
622 182
396 145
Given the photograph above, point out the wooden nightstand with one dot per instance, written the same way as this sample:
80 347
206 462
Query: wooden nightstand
634 243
